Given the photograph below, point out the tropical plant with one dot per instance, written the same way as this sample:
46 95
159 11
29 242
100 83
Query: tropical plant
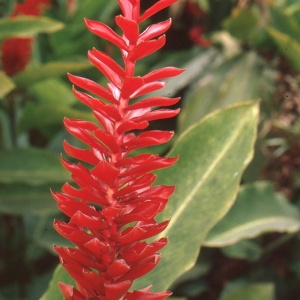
118 203
231 234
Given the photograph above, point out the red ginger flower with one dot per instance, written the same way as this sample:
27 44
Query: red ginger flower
16 52
111 250
196 33
32 7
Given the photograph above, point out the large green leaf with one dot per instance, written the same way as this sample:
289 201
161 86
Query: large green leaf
225 86
287 45
285 23
258 291
24 26
258 209
204 4
53 91
31 166
6 84
195 67
213 155
242 23
37 116
19 199
48 70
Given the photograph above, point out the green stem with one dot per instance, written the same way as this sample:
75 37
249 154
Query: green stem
5 133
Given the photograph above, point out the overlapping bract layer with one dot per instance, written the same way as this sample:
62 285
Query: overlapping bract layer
113 211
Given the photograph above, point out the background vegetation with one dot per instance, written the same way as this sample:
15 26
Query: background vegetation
234 51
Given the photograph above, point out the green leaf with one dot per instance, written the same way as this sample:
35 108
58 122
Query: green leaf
287 45
6 84
204 4
74 38
283 22
219 88
231 46
194 69
25 26
19 199
213 154
53 91
6 142
48 70
258 209
53 291
246 249
256 291
38 284
242 24
31 166
37 116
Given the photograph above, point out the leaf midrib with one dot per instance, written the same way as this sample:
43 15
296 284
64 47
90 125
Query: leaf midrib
205 176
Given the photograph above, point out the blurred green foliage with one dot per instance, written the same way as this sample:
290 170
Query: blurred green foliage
250 249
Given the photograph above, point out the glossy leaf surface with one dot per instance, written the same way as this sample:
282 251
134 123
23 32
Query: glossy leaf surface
258 209
219 88
213 154
194 68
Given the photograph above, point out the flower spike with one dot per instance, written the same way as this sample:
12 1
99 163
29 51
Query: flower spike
113 209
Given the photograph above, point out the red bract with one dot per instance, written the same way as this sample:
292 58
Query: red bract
16 52
196 33
113 211
32 7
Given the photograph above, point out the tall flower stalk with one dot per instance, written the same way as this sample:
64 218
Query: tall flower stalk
113 211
